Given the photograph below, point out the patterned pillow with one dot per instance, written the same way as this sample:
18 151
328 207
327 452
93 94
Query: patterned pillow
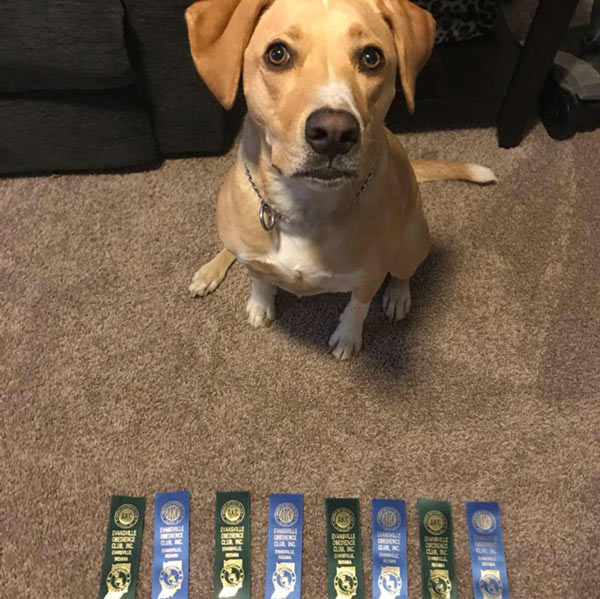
459 20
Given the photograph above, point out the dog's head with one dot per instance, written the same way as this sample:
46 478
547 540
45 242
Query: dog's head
319 75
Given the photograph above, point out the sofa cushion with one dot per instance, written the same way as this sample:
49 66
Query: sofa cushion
62 44
187 118
459 20
92 130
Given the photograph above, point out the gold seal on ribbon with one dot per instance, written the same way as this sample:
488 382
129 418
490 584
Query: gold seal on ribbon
232 577
435 523
439 584
233 512
119 578
345 582
126 516
343 519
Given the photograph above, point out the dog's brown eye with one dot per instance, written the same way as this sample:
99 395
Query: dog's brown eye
371 58
278 55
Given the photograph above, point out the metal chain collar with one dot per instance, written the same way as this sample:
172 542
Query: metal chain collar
268 217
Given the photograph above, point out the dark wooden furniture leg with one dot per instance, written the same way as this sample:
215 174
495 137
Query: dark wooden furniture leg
549 26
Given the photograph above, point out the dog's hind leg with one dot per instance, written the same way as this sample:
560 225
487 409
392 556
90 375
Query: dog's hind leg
210 276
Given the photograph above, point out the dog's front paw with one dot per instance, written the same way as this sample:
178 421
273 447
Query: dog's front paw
396 300
260 315
206 280
345 342
261 305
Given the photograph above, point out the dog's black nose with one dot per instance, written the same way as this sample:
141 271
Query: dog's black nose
332 132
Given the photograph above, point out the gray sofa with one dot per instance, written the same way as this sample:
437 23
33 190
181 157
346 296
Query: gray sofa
100 84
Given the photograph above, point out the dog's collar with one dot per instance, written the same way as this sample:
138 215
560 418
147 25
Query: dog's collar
268 217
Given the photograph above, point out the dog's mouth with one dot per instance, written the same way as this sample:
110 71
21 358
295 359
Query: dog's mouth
325 175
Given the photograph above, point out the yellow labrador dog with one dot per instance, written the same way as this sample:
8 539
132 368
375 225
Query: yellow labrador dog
323 198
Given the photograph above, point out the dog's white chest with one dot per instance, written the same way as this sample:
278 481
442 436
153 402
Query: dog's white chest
302 265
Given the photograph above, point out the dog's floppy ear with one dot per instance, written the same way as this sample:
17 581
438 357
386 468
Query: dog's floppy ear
414 35
219 31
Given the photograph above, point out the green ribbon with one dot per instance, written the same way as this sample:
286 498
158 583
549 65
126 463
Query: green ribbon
122 549
232 546
438 570
344 554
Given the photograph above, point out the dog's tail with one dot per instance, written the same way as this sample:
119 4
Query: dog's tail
438 170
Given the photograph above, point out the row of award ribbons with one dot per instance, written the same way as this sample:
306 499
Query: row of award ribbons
284 548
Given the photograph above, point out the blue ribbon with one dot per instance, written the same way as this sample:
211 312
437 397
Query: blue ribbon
488 562
284 547
171 545
389 549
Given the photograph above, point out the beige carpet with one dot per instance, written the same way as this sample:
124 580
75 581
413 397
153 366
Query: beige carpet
113 380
